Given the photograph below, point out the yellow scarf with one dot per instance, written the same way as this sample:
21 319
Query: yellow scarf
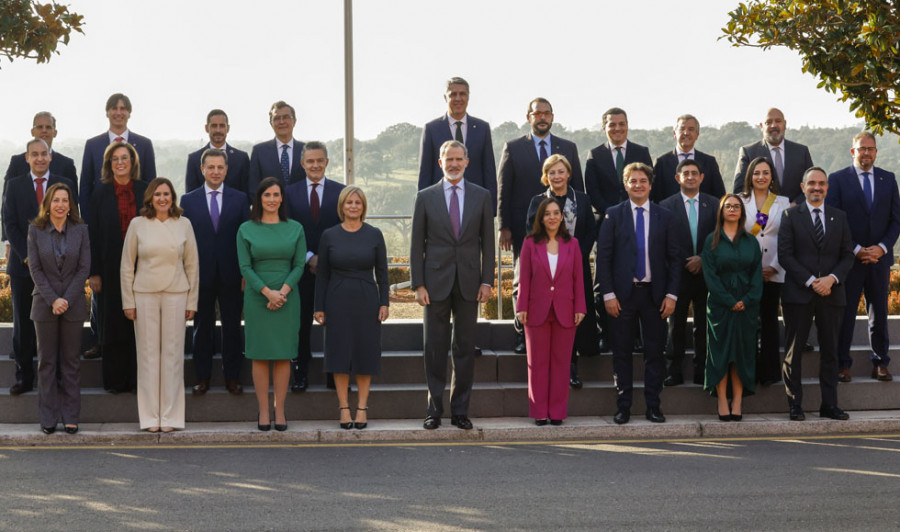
770 200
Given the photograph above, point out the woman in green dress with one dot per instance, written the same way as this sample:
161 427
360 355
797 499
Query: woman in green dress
271 253
732 269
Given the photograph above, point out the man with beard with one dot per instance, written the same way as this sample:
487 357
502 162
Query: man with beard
238 161
666 181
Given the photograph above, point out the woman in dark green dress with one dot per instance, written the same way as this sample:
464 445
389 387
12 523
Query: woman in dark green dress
271 253
732 268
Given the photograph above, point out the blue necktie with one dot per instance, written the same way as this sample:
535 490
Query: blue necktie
543 145
285 163
867 189
640 269
214 210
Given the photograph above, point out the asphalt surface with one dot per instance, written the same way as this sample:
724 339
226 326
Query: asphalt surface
805 483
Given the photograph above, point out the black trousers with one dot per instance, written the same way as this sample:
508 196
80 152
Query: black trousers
24 339
872 280
768 358
638 307
307 291
798 319
231 303
693 293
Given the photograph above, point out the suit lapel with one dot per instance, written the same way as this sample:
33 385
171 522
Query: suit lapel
606 154
531 154
831 229
543 259
468 210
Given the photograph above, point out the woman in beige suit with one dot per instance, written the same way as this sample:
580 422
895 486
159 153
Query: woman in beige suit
160 279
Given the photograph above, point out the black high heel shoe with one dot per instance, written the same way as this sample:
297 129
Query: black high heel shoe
349 424
358 425
262 427
281 428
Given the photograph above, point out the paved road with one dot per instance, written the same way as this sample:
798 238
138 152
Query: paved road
828 483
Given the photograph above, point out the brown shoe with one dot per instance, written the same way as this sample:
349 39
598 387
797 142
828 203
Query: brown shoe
844 375
234 387
882 374
201 387
92 353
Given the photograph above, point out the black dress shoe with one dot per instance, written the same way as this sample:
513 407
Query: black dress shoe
48 430
71 430
556 422
519 349
833 412
431 423
654 415
462 421
575 383
300 384
92 353
622 416
540 422
673 380
603 346
478 352
808 347
234 386
797 413
19 388
201 387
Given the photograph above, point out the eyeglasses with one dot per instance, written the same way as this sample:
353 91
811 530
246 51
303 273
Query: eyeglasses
731 207
123 159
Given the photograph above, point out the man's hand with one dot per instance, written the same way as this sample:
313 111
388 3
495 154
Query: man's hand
95 283
822 285
872 254
667 307
383 313
422 296
505 239
319 317
768 273
484 293
312 263
612 307
693 264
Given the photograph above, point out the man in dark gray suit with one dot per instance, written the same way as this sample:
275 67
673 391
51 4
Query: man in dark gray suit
789 159
452 270
666 179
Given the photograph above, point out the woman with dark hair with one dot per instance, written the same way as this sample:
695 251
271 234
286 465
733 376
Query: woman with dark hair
764 208
113 205
580 222
160 276
731 267
551 304
271 253
59 258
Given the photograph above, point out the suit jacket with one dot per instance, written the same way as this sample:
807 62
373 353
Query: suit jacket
665 183
519 179
768 237
600 177
19 207
482 169
585 223
217 248
539 291
92 165
868 227
238 175
617 252
438 257
802 258
265 161
297 205
59 165
707 212
52 282
796 161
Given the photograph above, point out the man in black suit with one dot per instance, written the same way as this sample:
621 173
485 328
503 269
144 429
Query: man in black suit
666 181
312 202
694 213
519 180
21 205
639 264
279 157
790 159
815 250
238 161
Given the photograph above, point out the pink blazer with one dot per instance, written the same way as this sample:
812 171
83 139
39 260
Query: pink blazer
539 292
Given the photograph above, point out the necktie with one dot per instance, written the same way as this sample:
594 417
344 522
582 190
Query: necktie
620 162
684 155
119 139
39 189
867 189
779 165
692 221
454 210
459 135
214 209
285 163
314 202
543 145
640 269
819 228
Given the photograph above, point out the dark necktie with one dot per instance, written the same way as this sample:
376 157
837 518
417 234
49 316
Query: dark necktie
819 228
640 269
867 189
459 135
543 145
39 189
779 165
285 163
214 209
620 162
454 210
314 202
685 156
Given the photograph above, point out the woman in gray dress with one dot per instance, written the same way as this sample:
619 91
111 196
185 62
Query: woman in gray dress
355 301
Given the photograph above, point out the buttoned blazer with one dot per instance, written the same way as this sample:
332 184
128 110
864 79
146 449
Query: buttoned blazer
92 165
768 236
20 207
796 161
868 227
52 282
238 175
601 180
265 161
617 252
707 211
297 205
585 223
438 258
482 169
539 291
666 184
801 258
217 249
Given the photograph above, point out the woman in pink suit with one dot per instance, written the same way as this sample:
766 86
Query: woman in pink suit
551 304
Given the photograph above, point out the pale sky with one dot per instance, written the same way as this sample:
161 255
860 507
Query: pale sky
178 59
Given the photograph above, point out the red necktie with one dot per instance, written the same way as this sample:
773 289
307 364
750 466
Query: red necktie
39 189
119 139
314 203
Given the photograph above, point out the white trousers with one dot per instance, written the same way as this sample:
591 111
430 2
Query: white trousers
159 333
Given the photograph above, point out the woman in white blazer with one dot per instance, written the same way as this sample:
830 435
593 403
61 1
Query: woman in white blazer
160 280
764 208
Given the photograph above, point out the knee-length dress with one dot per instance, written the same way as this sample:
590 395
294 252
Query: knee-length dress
271 255
733 272
350 295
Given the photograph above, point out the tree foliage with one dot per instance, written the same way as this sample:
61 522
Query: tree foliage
33 30
851 46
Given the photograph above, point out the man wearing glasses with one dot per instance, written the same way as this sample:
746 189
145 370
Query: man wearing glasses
279 157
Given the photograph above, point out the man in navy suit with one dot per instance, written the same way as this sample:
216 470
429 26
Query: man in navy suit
216 211
521 167
238 161
869 196
279 157
639 264
118 112
312 202
456 124
21 205
694 213
666 181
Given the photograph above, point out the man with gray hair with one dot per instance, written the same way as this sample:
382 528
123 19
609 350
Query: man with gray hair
666 180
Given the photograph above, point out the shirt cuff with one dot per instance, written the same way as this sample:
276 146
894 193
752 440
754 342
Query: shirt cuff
883 248
856 249
673 297
836 280
309 255
809 281
609 296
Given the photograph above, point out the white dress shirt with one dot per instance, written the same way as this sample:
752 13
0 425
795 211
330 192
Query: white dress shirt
465 126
